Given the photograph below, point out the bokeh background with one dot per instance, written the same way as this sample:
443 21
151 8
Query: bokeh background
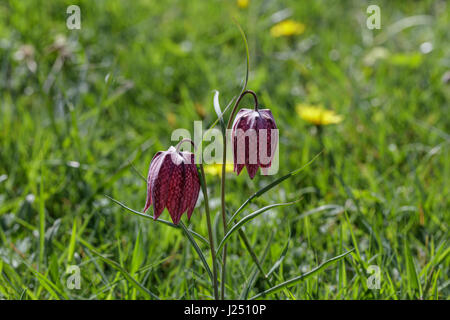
82 112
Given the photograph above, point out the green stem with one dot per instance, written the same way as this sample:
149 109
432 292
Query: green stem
222 196
211 238
253 255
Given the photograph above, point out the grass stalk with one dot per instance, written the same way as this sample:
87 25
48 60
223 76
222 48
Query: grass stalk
210 232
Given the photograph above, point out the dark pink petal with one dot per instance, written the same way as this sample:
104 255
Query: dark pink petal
148 200
237 165
193 195
252 169
241 114
234 142
159 182
176 187
192 187
187 187
241 142
251 140
187 180
273 134
238 168
267 151
260 125
247 141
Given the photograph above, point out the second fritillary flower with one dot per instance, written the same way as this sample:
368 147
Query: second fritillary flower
254 136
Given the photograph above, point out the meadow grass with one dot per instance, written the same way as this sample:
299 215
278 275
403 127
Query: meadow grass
82 115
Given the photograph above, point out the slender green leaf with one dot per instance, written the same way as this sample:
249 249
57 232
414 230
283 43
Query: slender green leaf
250 250
219 111
189 233
136 258
411 271
244 38
41 220
272 185
295 280
342 272
441 253
434 289
119 278
197 249
150 217
255 271
248 218
218 119
72 241
144 291
280 259
49 286
355 243
45 282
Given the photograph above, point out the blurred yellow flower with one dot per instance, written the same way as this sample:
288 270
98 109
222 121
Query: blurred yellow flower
200 110
171 119
317 115
216 169
243 3
287 28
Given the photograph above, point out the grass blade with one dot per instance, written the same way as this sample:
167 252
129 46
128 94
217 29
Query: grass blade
41 220
295 280
280 259
197 249
72 242
218 119
411 271
46 283
136 257
150 217
219 111
251 280
145 292
272 185
244 39
189 233
248 218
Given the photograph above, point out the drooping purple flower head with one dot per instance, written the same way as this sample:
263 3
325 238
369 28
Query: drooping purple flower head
172 183
254 136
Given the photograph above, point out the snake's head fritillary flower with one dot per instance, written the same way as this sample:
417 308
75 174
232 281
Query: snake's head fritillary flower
172 183
254 136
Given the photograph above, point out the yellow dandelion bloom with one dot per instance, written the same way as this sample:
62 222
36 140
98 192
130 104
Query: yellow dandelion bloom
287 28
243 3
215 169
318 115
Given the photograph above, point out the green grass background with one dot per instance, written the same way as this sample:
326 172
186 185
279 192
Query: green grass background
139 69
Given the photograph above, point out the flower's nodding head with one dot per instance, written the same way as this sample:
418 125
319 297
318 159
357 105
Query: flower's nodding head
172 183
254 136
